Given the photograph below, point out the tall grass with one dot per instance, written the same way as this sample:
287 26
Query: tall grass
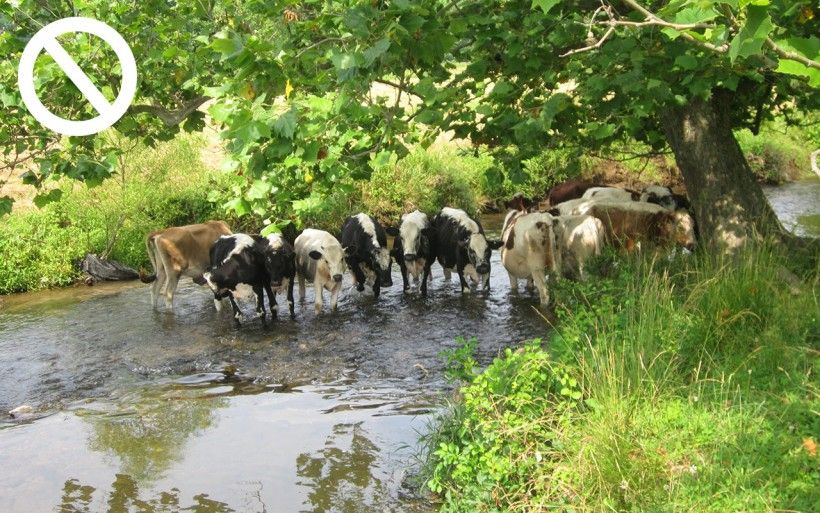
696 391
156 187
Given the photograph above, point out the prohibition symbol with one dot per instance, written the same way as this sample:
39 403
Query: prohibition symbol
46 39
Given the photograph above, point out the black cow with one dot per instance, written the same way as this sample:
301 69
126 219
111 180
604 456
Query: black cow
462 246
260 262
365 245
414 248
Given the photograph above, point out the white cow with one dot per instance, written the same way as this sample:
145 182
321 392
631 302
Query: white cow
610 194
578 238
320 259
529 250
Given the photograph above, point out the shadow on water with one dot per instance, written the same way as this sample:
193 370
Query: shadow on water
143 410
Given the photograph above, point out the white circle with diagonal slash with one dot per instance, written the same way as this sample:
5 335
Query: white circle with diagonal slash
46 39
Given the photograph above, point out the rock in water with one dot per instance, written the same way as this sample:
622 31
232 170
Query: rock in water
21 411
106 270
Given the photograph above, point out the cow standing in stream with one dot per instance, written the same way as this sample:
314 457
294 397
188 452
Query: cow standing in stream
463 247
320 259
414 248
366 254
180 251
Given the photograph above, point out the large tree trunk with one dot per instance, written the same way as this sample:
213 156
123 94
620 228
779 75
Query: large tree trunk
729 205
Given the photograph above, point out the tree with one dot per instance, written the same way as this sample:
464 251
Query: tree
293 88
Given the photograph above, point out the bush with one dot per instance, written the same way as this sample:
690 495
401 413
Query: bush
427 180
778 154
158 187
696 391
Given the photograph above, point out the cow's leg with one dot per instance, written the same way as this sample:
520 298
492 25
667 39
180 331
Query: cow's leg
237 313
271 300
301 288
260 301
358 276
424 280
465 287
317 300
377 286
447 274
403 268
541 285
156 287
217 302
513 282
334 297
530 285
290 298
171 283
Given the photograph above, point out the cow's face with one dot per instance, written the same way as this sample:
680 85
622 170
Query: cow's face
685 230
330 261
382 264
478 252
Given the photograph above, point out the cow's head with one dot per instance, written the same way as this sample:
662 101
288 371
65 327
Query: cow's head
381 263
478 251
278 260
685 229
330 260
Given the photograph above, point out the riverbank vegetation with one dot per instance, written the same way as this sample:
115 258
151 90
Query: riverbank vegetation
682 385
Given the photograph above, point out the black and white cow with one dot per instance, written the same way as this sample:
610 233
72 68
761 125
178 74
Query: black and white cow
663 196
320 259
463 247
414 248
366 253
251 260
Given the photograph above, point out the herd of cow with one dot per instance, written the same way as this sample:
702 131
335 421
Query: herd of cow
582 218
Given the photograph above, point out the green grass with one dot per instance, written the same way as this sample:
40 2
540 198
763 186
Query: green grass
160 187
687 385
778 153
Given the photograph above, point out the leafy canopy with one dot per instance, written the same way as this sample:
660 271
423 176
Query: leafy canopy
313 95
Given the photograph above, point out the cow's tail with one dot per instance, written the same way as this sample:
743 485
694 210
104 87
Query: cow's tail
151 247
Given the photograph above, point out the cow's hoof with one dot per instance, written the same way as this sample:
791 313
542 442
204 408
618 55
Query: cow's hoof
360 287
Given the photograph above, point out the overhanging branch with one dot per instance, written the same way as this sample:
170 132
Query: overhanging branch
171 117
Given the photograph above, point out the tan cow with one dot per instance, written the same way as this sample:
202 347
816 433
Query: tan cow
529 250
180 251
627 223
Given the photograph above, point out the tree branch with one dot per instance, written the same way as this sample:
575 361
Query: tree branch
171 117
595 46
784 54
689 37
400 87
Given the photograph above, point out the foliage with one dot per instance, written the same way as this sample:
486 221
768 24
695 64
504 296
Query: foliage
428 180
159 187
779 153
697 391
294 92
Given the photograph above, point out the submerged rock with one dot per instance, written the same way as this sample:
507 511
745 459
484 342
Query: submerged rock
21 410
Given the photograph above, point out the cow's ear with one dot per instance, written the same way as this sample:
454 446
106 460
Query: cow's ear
315 255
392 231
494 243
463 243
351 250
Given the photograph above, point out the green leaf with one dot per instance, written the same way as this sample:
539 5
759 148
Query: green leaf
53 195
791 67
671 33
749 41
259 189
686 61
5 205
227 46
376 51
285 125
220 112
695 14
545 5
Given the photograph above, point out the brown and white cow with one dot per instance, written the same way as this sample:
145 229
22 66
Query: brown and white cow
627 223
528 250
180 251
578 238
568 190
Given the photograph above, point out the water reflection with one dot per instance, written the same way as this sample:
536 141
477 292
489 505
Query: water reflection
124 497
149 432
340 474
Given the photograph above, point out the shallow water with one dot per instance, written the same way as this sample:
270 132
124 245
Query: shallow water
135 408
797 204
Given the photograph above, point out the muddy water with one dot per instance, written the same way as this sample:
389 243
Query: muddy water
136 410
798 205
